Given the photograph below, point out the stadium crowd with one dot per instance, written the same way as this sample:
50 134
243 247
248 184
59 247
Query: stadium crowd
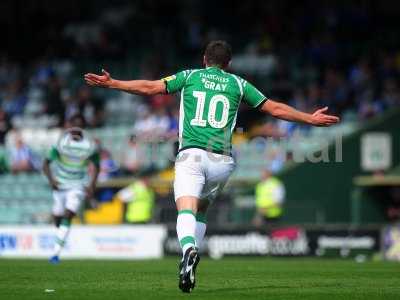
308 61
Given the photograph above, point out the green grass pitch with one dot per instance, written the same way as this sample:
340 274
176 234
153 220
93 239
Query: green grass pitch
226 279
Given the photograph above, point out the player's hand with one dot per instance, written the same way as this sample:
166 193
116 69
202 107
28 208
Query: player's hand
103 80
93 204
54 185
320 118
89 192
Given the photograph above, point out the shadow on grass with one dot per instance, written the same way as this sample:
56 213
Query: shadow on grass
264 287
251 288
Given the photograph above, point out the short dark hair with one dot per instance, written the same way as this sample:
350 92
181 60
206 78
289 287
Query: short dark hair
77 120
218 53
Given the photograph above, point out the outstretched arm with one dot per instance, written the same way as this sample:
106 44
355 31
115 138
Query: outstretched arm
288 113
138 87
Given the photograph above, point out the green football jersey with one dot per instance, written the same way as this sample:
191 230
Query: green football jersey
210 100
70 159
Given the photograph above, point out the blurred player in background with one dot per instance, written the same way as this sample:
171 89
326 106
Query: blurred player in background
66 168
210 99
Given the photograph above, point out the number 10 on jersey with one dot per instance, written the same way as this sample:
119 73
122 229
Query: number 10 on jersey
211 118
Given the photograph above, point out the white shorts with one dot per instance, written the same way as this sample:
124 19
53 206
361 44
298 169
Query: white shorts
70 199
201 174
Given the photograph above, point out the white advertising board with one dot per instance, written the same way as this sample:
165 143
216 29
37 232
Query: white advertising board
98 242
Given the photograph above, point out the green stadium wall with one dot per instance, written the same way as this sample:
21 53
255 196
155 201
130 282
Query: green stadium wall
321 193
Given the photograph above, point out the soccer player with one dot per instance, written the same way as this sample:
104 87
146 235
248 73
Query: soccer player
210 100
66 168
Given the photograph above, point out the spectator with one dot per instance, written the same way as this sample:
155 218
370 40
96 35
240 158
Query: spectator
9 72
90 107
368 106
161 121
277 160
360 75
21 157
108 167
76 120
173 129
108 170
270 195
53 100
391 93
5 126
139 199
14 100
44 72
335 90
152 125
132 158
173 126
